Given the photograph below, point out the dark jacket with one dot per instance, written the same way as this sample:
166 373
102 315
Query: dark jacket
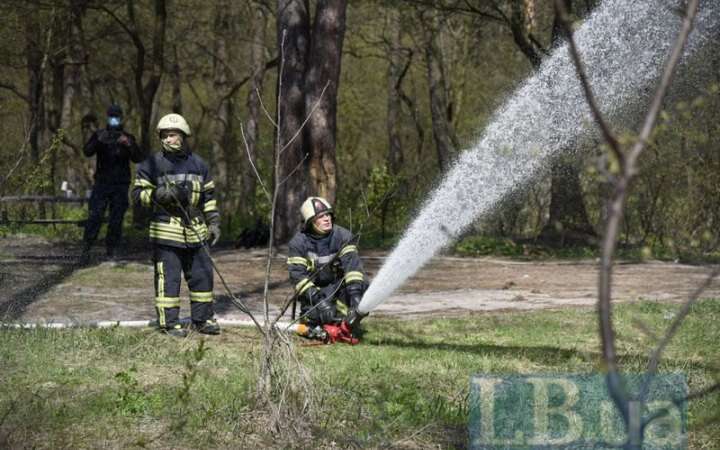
174 227
308 253
113 158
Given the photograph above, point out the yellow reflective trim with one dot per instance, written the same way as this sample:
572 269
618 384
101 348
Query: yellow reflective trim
172 226
304 285
177 232
146 197
167 302
161 279
209 185
175 238
210 206
348 249
297 260
195 197
161 316
341 307
353 276
203 297
141 182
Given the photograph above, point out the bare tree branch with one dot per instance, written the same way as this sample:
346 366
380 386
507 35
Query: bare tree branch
267 113
677 321
11 87
22 152
617 203
252 164
269 65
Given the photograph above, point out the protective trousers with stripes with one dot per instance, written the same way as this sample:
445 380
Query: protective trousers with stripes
195 264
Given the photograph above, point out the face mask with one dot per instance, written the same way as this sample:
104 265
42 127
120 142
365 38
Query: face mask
171 147
114 122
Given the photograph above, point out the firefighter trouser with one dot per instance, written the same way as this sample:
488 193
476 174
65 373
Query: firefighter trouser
195 264
103 195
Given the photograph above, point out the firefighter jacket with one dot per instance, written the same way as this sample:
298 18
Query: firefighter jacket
177 227
334 255
112 165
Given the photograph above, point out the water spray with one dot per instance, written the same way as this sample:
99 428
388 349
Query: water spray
623 45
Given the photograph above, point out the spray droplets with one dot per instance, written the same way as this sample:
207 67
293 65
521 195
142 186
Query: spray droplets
624 46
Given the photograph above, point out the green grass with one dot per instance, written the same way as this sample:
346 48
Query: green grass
406 386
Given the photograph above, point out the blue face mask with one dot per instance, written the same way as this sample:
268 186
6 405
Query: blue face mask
114 122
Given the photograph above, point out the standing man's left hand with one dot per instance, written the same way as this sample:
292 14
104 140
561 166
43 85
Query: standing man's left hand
214 234
123 140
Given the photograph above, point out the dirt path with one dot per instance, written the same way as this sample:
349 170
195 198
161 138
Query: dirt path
40 280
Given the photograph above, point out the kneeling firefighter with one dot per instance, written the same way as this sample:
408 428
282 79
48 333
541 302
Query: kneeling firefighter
177 185
327 273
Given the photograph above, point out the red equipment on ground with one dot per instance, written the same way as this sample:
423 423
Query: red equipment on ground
340 333
329 333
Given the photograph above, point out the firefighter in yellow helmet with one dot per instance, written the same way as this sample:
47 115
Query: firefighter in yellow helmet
177 185
325 266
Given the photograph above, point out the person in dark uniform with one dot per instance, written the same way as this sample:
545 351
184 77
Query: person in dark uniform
113 149
177 185
325 267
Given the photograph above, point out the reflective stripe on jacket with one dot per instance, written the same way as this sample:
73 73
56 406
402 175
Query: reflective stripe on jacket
171 226
334 255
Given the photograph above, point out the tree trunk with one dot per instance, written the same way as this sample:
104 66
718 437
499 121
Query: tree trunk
222 136
252 125
439 105
395 71
36 82
74 61
293 27
146 91
177 101
323 75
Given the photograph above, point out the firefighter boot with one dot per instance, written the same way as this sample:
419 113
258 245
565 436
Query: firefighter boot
208 327
176 331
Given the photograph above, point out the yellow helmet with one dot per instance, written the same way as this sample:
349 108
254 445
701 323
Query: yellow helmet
313 207
173 122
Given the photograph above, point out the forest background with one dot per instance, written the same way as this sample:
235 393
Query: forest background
397 90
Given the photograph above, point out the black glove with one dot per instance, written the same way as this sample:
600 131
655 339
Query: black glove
326 310
213 233
353 318
354 294
169 195
182 194
313 296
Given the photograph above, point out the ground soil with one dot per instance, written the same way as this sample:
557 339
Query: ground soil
42 281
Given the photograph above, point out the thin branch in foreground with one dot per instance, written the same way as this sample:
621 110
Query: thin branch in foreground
307 118
665 82
267 113
252 164
295 169
678 319
617 204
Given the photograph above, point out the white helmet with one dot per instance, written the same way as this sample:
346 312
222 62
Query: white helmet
173 122
313 207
